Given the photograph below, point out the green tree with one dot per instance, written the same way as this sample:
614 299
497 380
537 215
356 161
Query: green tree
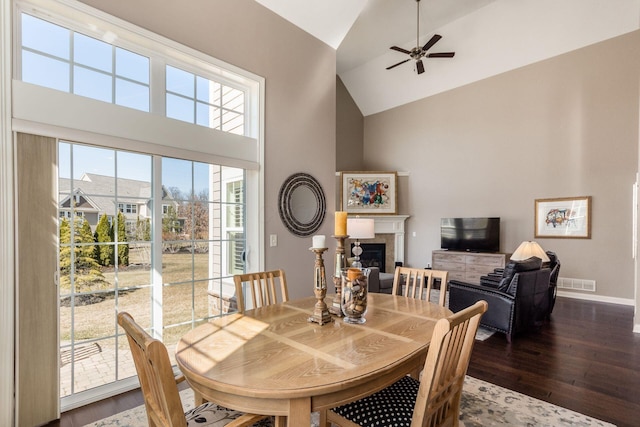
104 238
81 264
123 248
86 251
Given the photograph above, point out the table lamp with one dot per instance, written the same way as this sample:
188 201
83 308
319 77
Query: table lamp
359 228
527 249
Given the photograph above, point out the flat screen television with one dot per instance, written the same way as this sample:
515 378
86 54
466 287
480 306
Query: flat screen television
470 234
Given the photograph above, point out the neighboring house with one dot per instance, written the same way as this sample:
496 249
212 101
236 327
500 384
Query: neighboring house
93 195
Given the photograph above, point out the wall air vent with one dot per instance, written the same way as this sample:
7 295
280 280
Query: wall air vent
577 284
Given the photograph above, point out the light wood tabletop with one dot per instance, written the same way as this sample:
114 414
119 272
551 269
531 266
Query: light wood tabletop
272 361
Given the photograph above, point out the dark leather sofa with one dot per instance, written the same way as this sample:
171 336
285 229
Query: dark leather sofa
493 279
519 301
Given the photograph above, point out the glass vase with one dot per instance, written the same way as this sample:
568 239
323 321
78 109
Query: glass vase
355 287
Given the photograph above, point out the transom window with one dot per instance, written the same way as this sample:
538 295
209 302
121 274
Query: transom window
58 58
195 99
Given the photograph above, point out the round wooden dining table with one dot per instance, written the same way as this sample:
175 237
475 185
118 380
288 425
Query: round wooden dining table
273 361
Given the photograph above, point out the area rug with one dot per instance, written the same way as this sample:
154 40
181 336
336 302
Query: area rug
483 404
484 333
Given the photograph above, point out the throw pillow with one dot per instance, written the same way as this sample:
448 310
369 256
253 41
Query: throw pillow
513 267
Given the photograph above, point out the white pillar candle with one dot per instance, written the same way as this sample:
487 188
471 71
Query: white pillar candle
318 242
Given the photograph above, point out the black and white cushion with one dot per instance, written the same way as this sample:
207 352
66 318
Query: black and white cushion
391 406
212 415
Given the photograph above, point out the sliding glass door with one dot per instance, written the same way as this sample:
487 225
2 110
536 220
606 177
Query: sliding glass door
150 235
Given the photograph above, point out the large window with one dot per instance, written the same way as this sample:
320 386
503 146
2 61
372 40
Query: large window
108 262
155 208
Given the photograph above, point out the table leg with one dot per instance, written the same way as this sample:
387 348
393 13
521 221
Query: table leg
299 412
198 399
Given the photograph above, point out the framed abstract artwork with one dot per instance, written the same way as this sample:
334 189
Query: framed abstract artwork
369 193
568 217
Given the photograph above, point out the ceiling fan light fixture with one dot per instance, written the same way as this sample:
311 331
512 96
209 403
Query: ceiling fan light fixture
417 53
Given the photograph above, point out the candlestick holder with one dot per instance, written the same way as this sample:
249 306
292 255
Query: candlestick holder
320 311
341 262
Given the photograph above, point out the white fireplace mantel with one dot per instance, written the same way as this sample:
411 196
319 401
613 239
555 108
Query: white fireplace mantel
391 224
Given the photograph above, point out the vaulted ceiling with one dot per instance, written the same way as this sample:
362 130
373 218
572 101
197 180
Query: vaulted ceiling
488 36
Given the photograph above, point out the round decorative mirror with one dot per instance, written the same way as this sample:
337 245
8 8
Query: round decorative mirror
301 204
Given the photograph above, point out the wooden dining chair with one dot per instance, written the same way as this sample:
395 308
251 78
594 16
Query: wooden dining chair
412 283
160 387
433 401
263 286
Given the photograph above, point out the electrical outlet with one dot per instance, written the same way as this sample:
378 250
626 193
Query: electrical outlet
273 240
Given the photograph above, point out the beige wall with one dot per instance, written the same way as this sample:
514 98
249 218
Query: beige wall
567 126
349 131
300 98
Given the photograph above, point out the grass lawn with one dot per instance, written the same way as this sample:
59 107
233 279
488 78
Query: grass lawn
98 320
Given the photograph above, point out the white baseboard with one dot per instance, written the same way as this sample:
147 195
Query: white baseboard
636 329
597 298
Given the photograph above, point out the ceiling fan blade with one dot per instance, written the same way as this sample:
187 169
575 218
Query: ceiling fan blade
399 63
399 49
431 42
419 66
441 55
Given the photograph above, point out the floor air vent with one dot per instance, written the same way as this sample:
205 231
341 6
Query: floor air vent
580 284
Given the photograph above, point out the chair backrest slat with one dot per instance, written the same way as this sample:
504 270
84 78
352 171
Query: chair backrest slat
263 286
438 401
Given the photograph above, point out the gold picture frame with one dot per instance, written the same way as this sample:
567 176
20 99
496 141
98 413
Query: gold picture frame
369 193
563 218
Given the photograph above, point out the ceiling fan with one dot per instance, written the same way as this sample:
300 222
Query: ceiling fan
417 53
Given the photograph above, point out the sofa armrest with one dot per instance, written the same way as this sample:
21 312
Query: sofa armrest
501 304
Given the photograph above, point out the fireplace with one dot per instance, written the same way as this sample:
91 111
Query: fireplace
373 255
389 231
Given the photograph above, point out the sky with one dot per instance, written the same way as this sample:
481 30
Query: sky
102 161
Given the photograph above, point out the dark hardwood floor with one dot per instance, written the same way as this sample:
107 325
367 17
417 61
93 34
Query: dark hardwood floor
586 359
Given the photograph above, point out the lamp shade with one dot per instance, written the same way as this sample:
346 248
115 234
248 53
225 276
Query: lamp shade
528 249
361 228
